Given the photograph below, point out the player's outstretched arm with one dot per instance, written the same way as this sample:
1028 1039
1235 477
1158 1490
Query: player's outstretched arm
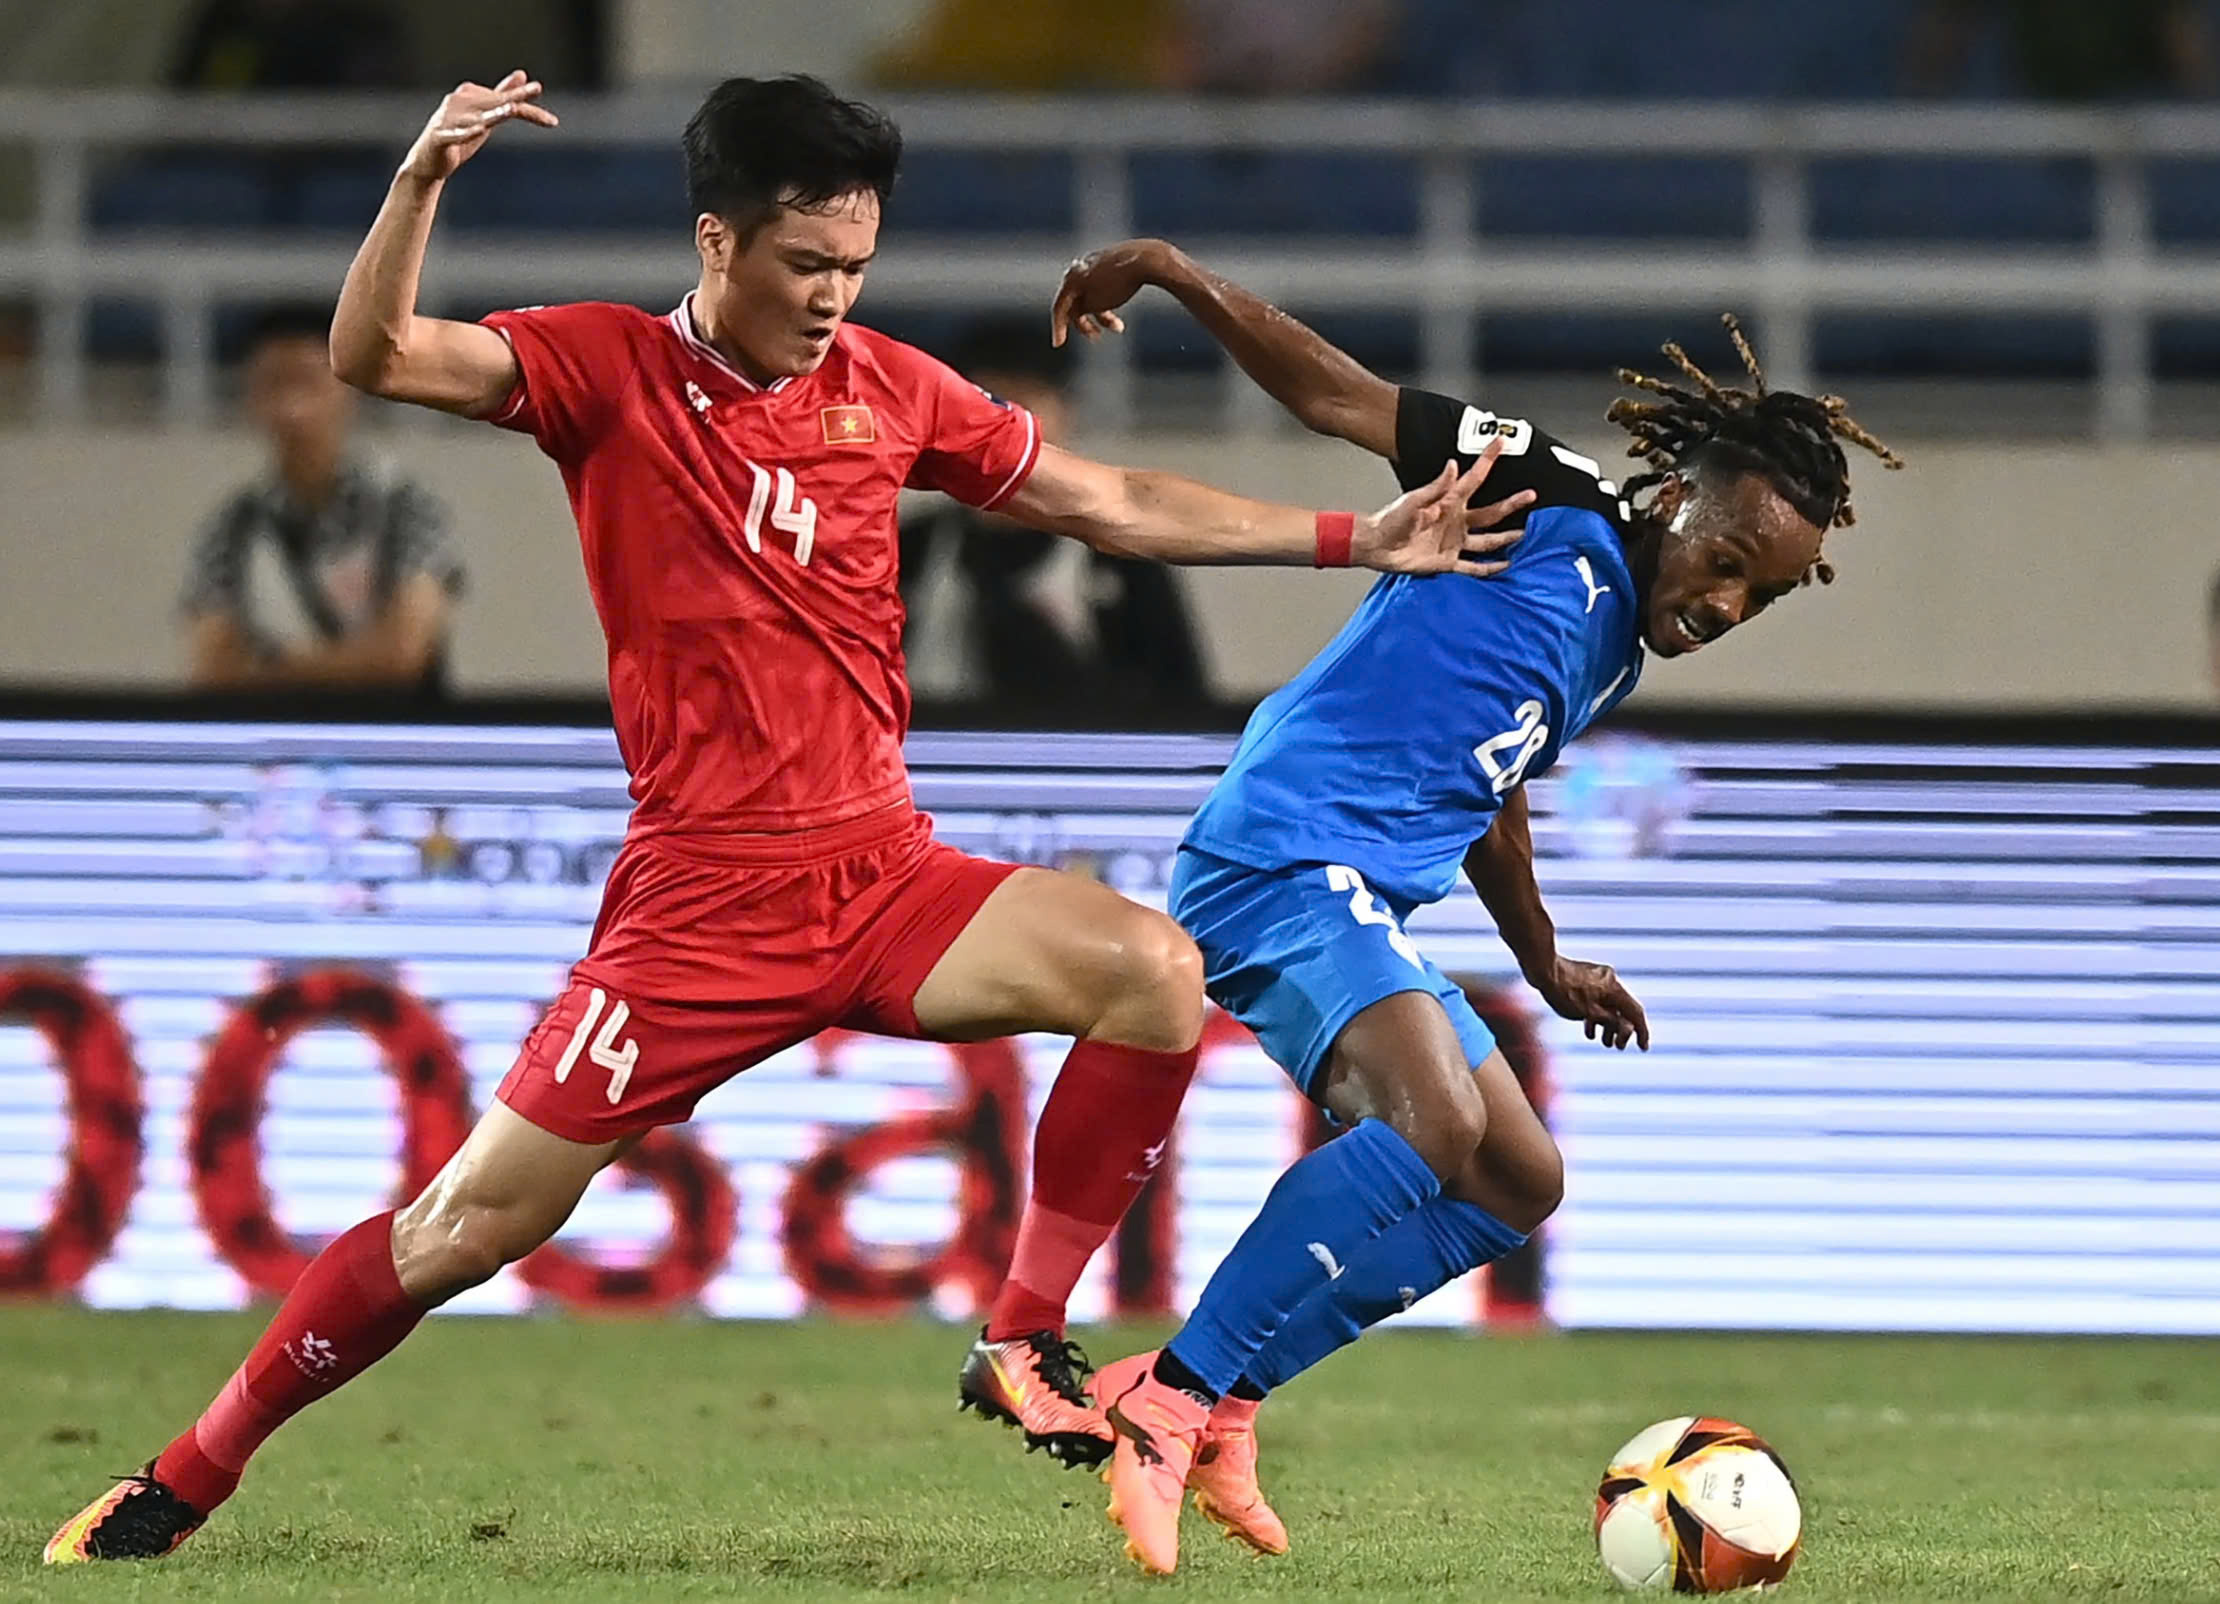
1132 512
1329 391
1500 866
379 342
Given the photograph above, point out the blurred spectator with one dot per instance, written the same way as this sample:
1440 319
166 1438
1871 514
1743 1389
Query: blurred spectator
335 570
1123 645
2069 49
294 44
1277 47
1044 45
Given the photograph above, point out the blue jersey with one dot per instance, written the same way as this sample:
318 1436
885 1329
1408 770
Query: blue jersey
1393 750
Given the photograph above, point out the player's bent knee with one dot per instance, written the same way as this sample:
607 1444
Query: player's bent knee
1443 1123
1400 1062
1533 1190
1166 962
1158 999
1447 1140
1549 1184
1522 1189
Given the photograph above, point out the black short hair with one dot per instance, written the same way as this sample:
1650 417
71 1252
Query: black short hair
287 320
758 144
1013 345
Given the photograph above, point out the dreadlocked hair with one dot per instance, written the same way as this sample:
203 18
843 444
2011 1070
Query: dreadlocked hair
1792 440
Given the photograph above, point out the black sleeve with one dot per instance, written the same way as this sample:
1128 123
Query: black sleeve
1425 435
1433 429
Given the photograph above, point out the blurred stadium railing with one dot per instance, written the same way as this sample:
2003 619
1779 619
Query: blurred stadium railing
1922 242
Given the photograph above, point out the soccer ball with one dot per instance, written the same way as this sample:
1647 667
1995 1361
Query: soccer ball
1699 1505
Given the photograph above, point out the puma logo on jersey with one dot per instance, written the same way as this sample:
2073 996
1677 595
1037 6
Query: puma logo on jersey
1588 578
1326 1260
696 399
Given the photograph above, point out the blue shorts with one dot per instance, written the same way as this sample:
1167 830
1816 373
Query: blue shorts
1297 953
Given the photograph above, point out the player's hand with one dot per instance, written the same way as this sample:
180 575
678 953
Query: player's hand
1435 529
465 119
1593 994
1096 285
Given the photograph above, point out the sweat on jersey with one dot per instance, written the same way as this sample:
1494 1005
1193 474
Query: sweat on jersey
1392 751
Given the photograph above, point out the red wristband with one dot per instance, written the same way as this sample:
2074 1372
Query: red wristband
1337 532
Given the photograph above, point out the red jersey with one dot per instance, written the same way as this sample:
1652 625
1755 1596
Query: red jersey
741 548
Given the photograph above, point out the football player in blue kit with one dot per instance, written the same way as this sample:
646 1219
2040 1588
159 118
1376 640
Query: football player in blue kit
1360 789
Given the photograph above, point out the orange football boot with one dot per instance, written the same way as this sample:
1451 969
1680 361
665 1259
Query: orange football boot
1223 1479
1158 1429
138 1518
1037 1383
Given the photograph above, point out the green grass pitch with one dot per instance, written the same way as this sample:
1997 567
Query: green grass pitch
561 1459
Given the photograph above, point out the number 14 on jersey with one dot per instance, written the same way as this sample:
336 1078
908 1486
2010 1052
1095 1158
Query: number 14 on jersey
794 513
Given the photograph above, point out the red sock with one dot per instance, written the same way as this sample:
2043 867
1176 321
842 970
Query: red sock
345 1313
1101 1134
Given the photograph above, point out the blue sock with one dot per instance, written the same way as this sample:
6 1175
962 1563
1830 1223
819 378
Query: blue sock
1327 1206
1425 1250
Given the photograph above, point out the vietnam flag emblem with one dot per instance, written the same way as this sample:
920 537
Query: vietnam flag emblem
848 426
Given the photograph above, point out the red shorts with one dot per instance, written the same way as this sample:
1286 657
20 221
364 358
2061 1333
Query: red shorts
701 967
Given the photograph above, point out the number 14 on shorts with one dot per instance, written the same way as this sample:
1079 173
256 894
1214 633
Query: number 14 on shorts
607 1050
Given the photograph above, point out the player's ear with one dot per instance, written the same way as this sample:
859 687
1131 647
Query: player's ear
713 238
1672 495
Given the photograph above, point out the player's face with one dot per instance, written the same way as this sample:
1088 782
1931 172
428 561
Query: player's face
1732 547
780 297
294 396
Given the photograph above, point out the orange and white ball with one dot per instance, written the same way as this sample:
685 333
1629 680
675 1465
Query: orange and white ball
1700 1505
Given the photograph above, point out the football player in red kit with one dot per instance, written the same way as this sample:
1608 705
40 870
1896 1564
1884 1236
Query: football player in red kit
734 466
